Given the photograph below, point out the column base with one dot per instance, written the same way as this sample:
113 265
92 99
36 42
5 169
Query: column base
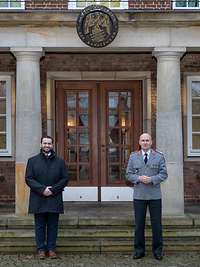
22 190
172 191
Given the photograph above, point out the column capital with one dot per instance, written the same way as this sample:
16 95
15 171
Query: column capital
27 53
168 52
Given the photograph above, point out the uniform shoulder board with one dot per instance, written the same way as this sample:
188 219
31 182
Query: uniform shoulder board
135 152
160 152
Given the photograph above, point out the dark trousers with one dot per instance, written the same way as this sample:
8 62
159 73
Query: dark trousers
46 230
155 210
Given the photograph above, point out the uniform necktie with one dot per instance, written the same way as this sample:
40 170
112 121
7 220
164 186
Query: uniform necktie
145 158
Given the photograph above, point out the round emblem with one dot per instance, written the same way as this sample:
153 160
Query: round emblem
97 26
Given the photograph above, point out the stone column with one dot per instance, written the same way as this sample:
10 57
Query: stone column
28 117
169 126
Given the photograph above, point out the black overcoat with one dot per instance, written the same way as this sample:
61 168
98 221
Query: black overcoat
42 171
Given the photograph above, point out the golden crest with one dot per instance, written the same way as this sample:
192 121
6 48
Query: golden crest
97 26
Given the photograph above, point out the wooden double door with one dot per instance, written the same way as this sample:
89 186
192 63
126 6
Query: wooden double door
98 124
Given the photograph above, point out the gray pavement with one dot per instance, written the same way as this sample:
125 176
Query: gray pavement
103 260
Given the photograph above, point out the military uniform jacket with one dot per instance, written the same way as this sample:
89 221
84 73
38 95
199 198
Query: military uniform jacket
40 173
155 168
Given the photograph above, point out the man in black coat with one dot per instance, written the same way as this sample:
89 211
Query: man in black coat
46 175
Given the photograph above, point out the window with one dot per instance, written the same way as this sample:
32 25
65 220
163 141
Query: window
5 116
116 4
12 4
194 116
189 4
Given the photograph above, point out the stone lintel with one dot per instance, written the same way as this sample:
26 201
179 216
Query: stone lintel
52 18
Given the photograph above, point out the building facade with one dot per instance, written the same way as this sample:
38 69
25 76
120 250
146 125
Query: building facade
96 102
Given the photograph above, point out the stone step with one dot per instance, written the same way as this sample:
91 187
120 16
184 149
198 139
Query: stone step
100 233
27 222
97 246
97 235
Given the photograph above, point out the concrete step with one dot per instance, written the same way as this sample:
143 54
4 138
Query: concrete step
88 246
12 221
99 235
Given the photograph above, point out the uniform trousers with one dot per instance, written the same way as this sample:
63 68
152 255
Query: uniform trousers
155 210
46 230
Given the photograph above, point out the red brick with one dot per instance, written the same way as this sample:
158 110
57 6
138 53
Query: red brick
150 4
133 4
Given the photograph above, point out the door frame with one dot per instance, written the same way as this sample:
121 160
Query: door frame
145 77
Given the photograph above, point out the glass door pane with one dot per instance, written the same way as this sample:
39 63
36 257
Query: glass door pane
77 135
119 110
120 127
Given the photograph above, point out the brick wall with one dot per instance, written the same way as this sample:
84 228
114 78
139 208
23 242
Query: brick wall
192 181
63 4
7 168
7 62
97 62
7 181
150 4
191 63
46 4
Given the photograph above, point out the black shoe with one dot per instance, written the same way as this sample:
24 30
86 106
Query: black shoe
137 255
158 256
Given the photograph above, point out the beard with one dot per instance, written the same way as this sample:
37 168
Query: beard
46 151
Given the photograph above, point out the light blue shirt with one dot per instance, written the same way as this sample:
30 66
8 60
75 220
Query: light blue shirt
147 152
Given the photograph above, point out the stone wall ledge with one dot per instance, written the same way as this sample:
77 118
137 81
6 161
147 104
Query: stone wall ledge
50 18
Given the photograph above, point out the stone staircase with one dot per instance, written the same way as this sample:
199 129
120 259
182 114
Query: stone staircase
99 235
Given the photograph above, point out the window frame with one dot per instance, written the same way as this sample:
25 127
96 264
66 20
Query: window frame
8 150
14 8
187 7
72 5
191 151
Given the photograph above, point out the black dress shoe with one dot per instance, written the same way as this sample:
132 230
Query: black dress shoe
158 257
137 256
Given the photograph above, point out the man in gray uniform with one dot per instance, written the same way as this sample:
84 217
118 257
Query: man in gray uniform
146 170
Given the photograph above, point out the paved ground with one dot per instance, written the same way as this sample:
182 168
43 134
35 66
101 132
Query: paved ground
109 260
